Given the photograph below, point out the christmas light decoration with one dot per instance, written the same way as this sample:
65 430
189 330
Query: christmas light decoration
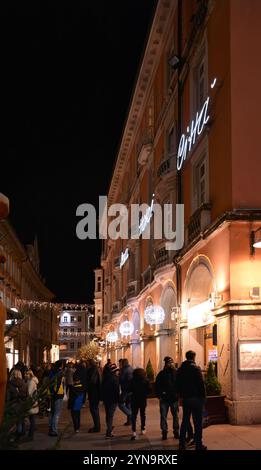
126 328
112 337
154 315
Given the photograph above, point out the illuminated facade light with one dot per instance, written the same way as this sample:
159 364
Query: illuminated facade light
154 315
112 337
126 328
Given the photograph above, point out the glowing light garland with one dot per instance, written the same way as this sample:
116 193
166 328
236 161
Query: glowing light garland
126 328
154 315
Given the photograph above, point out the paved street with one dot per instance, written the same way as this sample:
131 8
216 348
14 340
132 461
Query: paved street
218 437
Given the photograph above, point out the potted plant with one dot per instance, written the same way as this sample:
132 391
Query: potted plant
215 402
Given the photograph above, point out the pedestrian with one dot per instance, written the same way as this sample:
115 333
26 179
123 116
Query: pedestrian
75 401
126 373
166 390
56 390
139 388
32 383
69 371
191 389
82 371
16 395
110 396
94 394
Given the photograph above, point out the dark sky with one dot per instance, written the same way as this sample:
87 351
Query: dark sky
68 71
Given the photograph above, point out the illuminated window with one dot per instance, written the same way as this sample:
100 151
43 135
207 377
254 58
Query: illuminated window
65 319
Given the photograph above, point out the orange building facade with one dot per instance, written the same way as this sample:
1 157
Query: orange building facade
199 79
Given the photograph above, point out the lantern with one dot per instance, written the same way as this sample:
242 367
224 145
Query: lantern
126 328
154 315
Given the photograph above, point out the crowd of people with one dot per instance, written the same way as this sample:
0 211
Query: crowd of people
117 386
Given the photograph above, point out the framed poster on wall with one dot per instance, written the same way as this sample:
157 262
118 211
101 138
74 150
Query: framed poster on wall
249 355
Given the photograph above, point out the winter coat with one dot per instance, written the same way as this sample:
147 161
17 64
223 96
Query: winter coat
190 381
76 397
93 384
32 389
16 390
139 388
110 389
56 388
69 375
125 377
166 385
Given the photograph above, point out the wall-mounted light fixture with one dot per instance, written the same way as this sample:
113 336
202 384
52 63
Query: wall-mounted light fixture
255 240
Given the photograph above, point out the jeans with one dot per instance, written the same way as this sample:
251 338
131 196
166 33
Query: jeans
110 409
165 405
76 418
32 425
125 404
135 408
192 406
56 408
94 409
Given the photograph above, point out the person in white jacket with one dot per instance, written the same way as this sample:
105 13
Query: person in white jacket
32 382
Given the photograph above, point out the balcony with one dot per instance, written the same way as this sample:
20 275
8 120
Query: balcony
116 308
199 221
147 277
163 257
166 166
132 290
145 145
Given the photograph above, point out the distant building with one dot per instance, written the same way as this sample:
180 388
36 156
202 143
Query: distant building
75 329
31 334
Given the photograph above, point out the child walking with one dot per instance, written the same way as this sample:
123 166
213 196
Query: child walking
75 401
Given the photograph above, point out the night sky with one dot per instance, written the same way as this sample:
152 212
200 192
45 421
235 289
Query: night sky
68 71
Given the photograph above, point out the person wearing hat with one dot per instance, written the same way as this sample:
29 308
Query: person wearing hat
166 390
110 396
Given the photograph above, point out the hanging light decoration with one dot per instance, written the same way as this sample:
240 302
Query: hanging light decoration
154 315
126 328
112 337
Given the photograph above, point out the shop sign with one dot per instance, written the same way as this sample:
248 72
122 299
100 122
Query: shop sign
194 130
200 315
212 355
249 355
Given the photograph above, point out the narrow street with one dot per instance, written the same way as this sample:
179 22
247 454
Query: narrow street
218 437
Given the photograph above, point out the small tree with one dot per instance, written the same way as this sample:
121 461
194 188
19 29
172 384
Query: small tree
88 351
213 387
150 371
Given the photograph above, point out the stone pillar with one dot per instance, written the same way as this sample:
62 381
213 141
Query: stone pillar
136 358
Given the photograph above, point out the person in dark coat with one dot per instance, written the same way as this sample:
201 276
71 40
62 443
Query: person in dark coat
94 393
139 389
166 390
110 396
125 377
16 395
75 401
191 389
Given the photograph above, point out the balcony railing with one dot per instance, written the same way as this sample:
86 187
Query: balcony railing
147 277
144 146
163 257
116 308
199 221
166 166
132 289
